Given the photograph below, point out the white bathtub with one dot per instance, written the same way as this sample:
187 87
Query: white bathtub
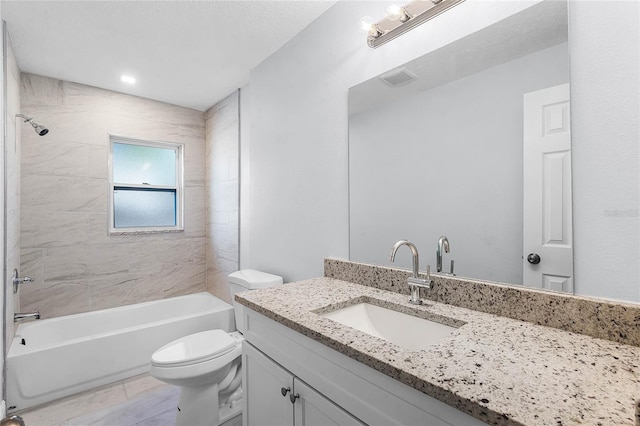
65 355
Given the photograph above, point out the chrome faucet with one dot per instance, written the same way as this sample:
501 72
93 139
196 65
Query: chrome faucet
21 315
415 283
443 244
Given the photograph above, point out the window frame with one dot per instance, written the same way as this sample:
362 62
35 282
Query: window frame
179 187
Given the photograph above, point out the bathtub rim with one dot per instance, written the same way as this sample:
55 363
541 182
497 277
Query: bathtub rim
218 306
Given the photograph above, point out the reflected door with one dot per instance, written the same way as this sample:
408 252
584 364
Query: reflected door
547 239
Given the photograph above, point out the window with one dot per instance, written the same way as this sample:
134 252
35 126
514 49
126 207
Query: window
145 189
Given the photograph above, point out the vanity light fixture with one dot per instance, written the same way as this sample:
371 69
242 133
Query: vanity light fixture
402 19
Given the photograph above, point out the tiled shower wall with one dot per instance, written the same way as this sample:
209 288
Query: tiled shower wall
65 244
223 137
12 180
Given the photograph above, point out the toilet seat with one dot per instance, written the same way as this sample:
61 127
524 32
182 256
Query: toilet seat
194 349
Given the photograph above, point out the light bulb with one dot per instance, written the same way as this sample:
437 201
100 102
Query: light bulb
397 13
367 23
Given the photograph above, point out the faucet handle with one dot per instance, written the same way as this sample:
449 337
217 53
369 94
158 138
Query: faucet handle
451 271
421 282
17 280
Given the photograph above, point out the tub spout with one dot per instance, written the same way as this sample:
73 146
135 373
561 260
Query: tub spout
21 315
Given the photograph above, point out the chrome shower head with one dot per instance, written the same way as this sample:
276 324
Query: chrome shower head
40 130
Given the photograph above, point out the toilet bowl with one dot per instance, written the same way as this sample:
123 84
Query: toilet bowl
207 365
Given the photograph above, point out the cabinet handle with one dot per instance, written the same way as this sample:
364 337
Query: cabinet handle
293 398
284 391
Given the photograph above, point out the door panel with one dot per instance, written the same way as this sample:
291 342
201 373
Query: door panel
547 189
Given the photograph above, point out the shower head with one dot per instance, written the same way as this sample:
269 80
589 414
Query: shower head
40 130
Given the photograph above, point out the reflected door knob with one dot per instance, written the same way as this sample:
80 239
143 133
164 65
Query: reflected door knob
284 391
533 258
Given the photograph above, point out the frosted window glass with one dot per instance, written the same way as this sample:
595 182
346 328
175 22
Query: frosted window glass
137 164
135 208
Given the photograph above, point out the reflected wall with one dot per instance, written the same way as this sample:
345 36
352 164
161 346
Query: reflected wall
448 161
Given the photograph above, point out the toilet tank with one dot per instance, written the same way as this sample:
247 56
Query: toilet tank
245 280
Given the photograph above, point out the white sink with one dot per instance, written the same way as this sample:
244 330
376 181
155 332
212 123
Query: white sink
404 330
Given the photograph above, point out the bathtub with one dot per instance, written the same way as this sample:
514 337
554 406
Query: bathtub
53 358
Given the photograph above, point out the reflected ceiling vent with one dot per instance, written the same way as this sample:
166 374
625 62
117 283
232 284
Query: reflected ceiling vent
398 77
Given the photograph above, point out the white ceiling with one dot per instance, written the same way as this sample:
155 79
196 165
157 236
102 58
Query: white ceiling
188 53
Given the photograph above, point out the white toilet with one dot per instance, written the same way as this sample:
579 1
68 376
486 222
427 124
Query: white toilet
207 365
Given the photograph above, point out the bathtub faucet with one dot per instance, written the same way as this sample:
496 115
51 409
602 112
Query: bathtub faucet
21 315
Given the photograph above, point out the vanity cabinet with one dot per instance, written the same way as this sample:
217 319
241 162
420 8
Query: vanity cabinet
275 397
331 388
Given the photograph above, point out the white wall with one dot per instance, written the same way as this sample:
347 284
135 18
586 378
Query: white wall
448 161
605 98
297 209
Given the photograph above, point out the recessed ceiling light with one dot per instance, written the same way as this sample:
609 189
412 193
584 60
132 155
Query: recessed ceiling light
128 79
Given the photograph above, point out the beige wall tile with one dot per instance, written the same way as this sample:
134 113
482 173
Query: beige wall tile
57 299
64 193
38 154
194 211
42 228
32 265
222 194
12 149
65 201
40 90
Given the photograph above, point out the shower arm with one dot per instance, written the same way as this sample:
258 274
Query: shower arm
26 119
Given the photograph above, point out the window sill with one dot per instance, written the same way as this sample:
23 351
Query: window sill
143 231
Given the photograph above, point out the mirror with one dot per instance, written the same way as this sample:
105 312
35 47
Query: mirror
436 147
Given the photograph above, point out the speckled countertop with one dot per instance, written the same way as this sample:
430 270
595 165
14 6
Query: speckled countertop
499 370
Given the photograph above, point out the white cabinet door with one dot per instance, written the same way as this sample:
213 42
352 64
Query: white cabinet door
273 397
265 404
313 409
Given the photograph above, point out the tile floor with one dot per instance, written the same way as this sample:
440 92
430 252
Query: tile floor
139 401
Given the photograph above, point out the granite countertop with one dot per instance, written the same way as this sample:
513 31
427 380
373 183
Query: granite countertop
499 370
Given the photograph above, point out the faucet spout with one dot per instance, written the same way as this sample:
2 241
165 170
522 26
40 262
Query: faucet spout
415 283
414 252
443 244
21 315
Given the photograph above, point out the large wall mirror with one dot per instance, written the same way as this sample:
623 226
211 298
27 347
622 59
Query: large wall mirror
471 141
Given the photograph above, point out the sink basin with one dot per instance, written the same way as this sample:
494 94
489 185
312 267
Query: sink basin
404 330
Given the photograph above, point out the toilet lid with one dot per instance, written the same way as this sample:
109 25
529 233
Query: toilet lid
194 348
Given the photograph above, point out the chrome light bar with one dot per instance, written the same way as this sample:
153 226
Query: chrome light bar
410 16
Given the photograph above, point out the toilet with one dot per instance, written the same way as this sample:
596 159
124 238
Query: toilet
207 365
